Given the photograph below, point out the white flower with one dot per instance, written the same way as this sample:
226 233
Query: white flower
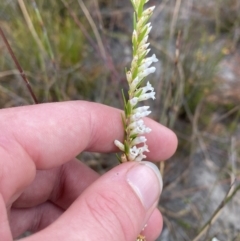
147 96
147 88
146 72
140 157
144 148
147 62
137 116
141 109
135 124
138 140
140 130
134 151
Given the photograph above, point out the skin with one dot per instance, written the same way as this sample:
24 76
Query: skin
44 189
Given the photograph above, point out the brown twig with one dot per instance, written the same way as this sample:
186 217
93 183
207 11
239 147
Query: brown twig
217 212
18 66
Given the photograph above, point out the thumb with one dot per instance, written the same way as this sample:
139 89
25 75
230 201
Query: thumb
115 207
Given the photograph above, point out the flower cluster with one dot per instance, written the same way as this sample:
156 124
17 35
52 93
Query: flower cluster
134 144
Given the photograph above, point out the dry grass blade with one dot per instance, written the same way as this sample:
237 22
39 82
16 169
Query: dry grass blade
30 25
94 28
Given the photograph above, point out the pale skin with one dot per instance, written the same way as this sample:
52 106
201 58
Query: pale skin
43 188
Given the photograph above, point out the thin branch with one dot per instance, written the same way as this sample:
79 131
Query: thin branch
18 66
217 212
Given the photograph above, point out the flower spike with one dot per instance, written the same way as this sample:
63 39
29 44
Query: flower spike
134 144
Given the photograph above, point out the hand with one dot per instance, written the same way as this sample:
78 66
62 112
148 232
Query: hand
44 189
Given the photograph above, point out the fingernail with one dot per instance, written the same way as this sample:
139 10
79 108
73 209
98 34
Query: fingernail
146 181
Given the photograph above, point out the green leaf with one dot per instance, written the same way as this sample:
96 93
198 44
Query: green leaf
140 83
129 109
123 121
140 8
125 103
133 136
142 34
138 93
124 99
119 158
135 72
142 56
144 22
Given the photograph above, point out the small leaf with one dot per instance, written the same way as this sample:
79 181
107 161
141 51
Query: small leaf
119 158
133 136
138 93
123 121
142 34
134 73
140 8
124 99
129 109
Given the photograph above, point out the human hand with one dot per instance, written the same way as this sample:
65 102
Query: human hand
45 190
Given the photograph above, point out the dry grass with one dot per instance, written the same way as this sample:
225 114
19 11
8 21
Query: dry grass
78 50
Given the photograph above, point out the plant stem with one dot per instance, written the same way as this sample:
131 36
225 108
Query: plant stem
19 67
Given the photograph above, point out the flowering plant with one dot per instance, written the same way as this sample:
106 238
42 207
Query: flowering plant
134 144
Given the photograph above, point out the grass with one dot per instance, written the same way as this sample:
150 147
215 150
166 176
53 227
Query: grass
78 50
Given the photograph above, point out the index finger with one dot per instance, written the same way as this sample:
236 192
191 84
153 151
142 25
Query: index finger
54 133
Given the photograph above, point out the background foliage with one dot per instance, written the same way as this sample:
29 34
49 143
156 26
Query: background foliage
73 50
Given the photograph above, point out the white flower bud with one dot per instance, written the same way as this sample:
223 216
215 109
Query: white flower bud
134 36
141 21
119 145
144 41
143 48
148 11
134 62
129 76
134 84
133 101
144 53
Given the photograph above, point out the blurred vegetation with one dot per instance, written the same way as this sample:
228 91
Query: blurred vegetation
74 50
